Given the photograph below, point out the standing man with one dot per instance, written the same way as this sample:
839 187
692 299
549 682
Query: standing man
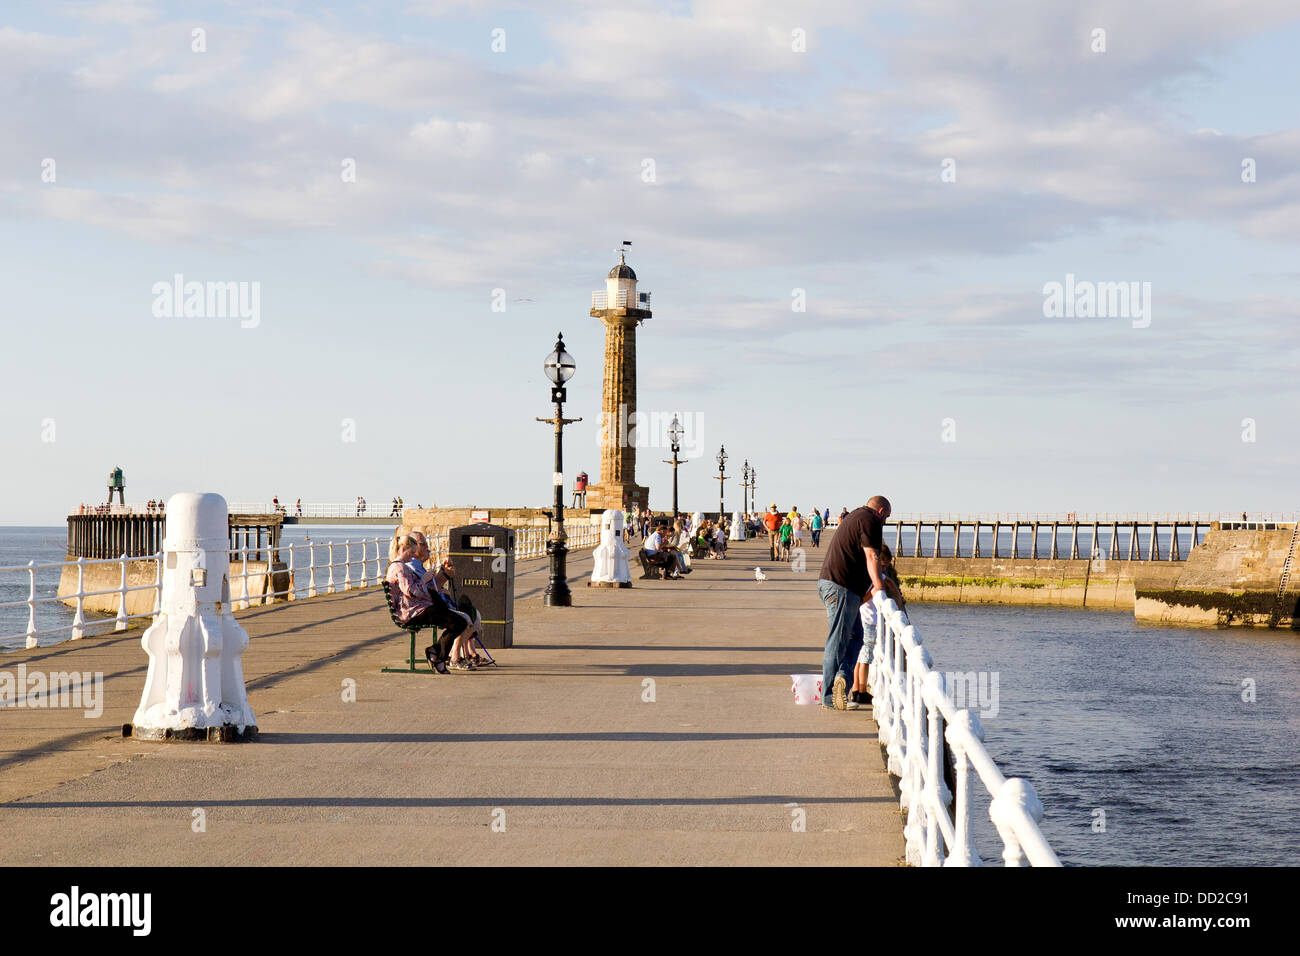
772 522
851 572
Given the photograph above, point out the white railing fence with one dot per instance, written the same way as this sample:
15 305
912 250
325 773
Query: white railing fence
305 570
1087 517
915 716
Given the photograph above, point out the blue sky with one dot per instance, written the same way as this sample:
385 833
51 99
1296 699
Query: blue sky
775 170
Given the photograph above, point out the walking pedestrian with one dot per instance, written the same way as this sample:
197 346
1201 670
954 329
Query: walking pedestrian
817 528
772 522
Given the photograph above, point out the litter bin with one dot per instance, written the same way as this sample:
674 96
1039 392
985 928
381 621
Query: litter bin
484 555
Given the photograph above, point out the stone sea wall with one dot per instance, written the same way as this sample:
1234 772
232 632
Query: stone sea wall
1230 579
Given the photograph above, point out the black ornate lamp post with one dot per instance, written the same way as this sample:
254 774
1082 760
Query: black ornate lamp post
559 369
722 478
753 486
675 433
744 485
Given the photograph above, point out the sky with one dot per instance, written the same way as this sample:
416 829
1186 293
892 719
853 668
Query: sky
850 216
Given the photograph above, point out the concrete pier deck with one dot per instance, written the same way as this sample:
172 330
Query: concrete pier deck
556 747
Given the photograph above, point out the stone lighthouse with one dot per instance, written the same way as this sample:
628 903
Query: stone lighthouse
621 308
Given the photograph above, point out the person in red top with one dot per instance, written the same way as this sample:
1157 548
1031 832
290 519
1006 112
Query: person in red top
772 522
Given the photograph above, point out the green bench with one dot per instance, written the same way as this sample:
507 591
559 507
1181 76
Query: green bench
411 629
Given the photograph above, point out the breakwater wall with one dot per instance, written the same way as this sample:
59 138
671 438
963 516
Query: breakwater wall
1231 578
1027 581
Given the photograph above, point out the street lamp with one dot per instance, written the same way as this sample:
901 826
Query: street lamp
722 478
559 369
744 484
675 433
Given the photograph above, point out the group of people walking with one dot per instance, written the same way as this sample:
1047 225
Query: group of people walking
786 532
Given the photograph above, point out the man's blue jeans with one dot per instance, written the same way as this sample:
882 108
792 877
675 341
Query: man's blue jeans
844 642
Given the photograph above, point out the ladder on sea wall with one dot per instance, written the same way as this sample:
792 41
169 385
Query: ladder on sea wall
1286 573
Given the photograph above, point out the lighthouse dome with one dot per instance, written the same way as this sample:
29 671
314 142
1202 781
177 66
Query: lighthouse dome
621 271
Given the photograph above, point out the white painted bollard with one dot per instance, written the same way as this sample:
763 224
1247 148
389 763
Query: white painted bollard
737 528
609 561
194 689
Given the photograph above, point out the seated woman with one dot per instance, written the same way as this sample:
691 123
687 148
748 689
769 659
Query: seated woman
415 605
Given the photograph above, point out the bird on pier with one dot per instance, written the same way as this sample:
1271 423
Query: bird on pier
759 575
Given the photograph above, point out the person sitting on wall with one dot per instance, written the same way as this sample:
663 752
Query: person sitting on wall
416 606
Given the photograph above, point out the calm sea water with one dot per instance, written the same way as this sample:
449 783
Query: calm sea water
1146 724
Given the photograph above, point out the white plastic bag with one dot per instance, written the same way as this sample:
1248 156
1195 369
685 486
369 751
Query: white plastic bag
807 688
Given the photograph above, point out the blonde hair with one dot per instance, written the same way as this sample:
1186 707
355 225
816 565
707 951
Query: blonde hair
399 542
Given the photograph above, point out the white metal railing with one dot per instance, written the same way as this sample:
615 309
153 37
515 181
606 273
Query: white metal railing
78 626
116 509
600 300
371 509
1088 517
312 568
912 709
531 542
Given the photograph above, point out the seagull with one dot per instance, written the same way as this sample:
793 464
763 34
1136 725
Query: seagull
759 575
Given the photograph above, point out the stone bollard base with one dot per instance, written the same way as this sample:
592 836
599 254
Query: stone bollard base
609 584
225 734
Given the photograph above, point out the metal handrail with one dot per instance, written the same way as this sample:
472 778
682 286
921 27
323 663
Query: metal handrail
1091 517
912 709
323 558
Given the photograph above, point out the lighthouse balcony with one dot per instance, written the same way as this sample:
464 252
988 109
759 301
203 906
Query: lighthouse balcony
601 300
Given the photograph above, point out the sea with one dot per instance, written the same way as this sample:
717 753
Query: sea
1147 745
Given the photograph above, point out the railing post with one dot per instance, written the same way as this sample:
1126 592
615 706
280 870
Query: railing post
31 604
157 582
292 594
330 583
964 728
347 565
311 568
79 617
121 624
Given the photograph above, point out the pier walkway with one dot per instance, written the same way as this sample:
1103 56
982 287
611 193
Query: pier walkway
554 757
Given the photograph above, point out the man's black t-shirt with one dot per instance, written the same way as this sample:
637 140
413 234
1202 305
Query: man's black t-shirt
845 563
